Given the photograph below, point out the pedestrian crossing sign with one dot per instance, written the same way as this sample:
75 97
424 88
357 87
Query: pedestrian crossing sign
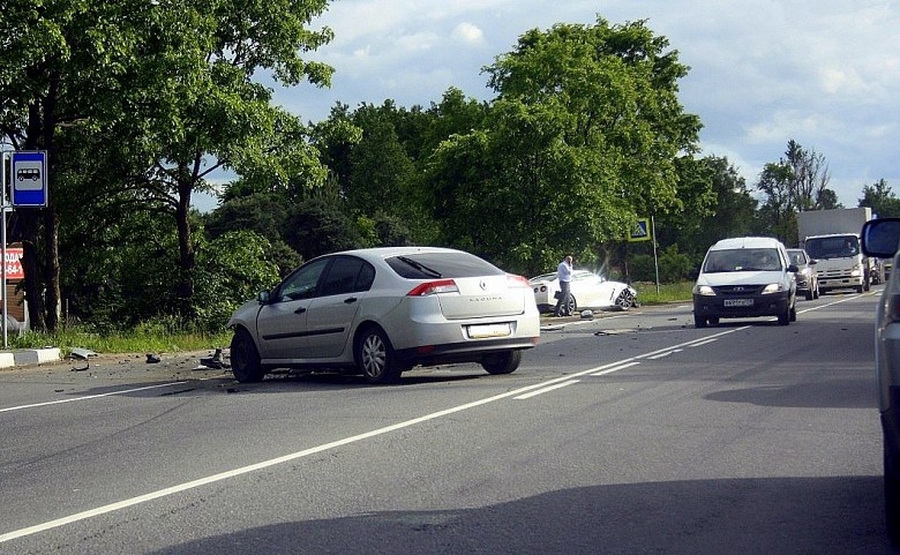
640 231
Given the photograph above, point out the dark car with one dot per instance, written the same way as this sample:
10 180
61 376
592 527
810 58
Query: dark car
807 280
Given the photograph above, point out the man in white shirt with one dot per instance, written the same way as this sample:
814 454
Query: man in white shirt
564 274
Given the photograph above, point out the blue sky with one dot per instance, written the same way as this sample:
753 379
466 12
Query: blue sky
825 73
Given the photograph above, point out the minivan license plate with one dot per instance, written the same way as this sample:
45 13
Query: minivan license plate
738 302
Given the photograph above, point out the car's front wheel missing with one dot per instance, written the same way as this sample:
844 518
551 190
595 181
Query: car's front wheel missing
504 362
375 357
245 363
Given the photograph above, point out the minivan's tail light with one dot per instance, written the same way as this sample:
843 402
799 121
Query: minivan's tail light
434 288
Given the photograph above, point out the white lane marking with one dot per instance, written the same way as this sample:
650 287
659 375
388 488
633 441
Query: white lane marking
87 397
545 390
178 488
615 368
30 530
667 353
707 342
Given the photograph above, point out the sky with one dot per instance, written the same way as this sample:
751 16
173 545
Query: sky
824 73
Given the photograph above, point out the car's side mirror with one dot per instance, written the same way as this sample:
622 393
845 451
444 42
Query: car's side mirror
793 268
813 262
880 237
262 297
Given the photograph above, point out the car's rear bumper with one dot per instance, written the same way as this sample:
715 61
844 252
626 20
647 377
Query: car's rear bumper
762 305
469 351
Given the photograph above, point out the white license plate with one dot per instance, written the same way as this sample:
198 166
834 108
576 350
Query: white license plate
738 302
482 331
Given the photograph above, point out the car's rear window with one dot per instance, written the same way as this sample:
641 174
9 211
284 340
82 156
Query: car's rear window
434 265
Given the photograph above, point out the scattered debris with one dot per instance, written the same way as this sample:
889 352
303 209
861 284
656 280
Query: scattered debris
81 353
152 358
82 369
215 362
587 314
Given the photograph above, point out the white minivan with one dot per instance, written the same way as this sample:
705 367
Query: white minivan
745 277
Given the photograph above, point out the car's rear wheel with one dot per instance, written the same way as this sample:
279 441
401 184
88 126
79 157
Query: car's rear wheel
245 362
505 362
375 357
571 305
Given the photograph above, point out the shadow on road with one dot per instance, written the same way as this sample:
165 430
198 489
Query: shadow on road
840 515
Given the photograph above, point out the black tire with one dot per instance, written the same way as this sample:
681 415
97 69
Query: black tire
785 317
625 300
245 362
793 312
505 362
571 305
810 295
713 321
375 357
892 494
699 321
817 290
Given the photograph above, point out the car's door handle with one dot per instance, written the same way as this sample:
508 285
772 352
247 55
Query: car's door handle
349 300
300 310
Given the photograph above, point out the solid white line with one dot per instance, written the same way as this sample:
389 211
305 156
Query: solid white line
615 369
178 488
668 353
258 466
545 390
87 397
707 342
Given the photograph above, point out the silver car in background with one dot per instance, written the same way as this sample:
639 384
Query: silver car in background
380 312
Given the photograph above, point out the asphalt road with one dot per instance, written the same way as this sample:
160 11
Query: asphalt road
631 433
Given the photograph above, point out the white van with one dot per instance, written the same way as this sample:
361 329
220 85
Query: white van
745 277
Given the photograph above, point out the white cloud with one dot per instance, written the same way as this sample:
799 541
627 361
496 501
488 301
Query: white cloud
468 33
763 72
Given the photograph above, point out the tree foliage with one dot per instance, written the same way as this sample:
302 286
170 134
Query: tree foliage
582 137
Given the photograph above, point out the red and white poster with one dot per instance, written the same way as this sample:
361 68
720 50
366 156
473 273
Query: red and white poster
14 263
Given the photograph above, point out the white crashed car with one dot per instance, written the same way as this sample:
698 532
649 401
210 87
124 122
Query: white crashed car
589 291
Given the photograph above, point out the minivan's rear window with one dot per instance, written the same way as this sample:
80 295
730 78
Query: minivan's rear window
434 265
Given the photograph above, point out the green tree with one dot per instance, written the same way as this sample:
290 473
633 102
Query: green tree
170 85
881 199
583 136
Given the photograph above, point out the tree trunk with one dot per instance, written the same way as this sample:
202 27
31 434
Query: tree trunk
51 268
186 257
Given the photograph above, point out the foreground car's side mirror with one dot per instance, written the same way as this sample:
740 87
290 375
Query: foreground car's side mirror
880 237
262 297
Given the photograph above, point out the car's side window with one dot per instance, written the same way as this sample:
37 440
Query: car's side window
302 284
344 276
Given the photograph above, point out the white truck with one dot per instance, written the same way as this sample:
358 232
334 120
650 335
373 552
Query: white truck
831 237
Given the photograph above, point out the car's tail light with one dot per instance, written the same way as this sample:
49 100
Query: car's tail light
433 288
517 280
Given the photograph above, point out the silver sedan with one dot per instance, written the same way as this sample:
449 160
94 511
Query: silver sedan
380 312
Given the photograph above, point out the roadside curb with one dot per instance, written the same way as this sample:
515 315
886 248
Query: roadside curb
24 357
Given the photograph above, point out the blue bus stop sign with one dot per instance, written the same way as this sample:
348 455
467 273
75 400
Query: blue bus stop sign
29 178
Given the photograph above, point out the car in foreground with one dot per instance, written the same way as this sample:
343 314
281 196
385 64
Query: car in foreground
587 291
745 277
379 312
807 279
880 238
